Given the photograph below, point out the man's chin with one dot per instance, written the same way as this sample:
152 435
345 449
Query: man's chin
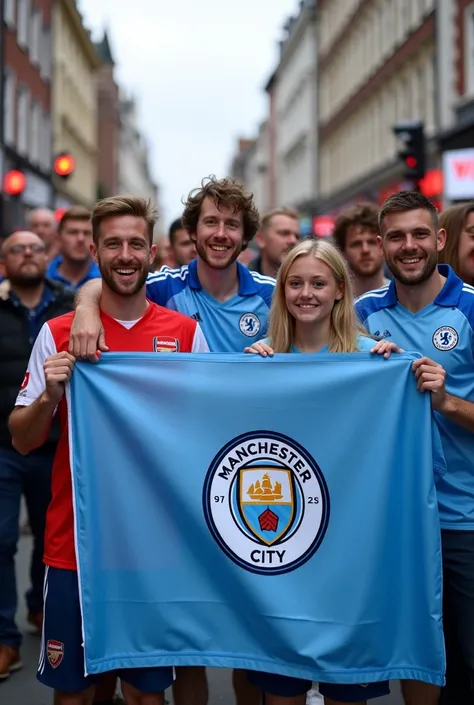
366 272
28 282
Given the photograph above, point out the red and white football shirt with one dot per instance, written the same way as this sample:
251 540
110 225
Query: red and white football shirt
159 330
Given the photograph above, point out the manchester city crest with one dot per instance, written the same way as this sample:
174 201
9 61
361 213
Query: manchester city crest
266 502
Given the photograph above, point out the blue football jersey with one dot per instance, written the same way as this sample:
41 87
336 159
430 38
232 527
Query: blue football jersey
229 326
444 332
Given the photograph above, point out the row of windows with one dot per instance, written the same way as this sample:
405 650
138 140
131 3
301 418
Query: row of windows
365 141
333 16
69 100
395 16
295 180
374 37
27 126
33 35
73 55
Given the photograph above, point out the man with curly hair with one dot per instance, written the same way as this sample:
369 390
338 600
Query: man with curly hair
356 233
230 303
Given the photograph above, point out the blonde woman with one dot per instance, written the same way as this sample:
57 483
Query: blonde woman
312 312
312 306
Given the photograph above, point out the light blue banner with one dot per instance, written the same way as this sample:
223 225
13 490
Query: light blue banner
277 515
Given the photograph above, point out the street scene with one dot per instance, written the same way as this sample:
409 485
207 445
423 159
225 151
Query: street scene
193 197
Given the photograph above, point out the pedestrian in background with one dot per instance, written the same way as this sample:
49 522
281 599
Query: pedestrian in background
181 247
356 233
25 304
42 222
74 266
278 233
458 221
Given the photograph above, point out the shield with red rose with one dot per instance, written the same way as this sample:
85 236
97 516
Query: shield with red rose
266 501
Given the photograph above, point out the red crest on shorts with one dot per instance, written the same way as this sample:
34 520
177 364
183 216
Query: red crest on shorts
55 652
165 343
26 379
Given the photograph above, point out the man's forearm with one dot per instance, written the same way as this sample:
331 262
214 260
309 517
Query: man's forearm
29 425
89 294
459 411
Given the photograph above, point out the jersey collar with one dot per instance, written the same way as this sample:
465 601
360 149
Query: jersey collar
53 273
247 284
448 296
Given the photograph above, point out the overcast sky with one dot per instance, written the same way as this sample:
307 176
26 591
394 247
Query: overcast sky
197 69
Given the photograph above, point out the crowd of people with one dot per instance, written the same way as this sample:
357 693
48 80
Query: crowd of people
394 278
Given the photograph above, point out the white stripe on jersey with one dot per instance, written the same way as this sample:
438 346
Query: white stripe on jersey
41 663
468 288
375 293
180 273
262 278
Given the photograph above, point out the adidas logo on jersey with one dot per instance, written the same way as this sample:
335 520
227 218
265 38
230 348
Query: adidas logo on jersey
197 317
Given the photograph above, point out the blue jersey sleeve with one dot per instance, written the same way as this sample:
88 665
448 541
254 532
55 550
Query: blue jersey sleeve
362 311
265 287
163 285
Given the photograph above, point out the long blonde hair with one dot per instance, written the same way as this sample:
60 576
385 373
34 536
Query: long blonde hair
344 325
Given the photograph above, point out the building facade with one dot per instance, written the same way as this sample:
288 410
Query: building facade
27 122
109 122
259 169
75 67
294 93
250 166
377 65
456 86
239 168
134 175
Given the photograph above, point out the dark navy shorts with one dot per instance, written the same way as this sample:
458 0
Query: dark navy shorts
287 687
61 663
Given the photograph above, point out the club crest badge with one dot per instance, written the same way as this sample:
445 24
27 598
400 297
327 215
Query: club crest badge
54 652
266 502
165 343
445 338
249 324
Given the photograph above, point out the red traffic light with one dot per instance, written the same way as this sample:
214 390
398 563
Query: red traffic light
14 182
64 164
411 162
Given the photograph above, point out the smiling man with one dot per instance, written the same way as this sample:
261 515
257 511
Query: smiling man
122 247
428 309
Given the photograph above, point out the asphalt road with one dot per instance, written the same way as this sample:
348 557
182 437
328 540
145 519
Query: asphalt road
22 688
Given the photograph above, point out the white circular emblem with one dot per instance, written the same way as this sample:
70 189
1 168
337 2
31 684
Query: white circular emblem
249 324
266 502
445 338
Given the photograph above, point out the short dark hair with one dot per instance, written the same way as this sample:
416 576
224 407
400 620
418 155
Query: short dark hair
174 227
124 205
226 193
405 201
364 215
74 213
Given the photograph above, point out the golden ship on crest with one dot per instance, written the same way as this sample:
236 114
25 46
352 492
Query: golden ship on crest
263 491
